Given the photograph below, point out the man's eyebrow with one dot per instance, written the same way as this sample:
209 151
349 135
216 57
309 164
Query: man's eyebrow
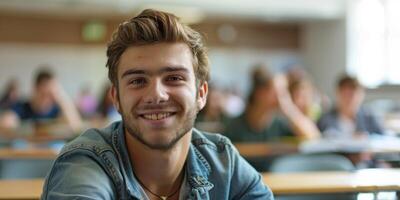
132 71
174 69
162 70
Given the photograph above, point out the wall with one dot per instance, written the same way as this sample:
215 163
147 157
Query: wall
75 65
26 42
78 65
231 68
323 47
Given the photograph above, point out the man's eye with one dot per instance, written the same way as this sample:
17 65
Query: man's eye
137 82
174 78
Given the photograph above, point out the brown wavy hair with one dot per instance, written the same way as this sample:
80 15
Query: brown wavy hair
151 27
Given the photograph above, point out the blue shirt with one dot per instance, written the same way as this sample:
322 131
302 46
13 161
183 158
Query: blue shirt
96 165
365 122
25 111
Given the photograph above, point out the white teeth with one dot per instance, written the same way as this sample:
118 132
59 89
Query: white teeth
157 116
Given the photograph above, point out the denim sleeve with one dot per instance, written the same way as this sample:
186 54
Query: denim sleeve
77 177
247 181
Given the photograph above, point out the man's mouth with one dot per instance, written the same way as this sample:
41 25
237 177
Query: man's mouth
157 116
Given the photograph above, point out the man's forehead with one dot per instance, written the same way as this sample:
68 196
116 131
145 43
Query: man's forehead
156 57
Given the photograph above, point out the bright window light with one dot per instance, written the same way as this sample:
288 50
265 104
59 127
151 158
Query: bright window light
374 41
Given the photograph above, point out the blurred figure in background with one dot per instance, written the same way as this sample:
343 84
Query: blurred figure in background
349 118
48 101
212 117
261 121
106 107
300 86
8 120
234 104
87 102
10 95
9 98
302 93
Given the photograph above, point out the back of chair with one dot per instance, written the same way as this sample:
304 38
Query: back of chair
24 168
311 162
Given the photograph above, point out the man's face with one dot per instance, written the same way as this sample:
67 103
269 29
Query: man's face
267 97
157 95
44 98
350 98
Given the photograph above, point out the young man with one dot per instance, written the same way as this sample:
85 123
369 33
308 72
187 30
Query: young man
159 71
348 118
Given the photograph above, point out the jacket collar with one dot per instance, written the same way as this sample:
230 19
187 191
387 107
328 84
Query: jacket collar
197 167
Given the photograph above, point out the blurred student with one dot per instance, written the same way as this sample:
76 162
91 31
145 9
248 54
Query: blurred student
302 93
106 108
212 117
349 118
8 120
48 102
86 102
261 121
10 96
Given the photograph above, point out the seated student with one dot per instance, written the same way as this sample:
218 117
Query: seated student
159 72
48 101
10 96
86 102
212 117
302 93
8 119
106 109
349 118
260 121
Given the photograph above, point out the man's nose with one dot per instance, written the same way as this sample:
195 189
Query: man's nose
156 93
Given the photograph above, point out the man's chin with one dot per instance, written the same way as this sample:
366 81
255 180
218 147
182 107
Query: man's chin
161 144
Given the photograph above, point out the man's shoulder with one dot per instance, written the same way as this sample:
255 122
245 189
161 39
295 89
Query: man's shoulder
215 141
95 140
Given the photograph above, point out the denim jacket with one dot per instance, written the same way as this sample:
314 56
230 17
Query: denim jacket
96 165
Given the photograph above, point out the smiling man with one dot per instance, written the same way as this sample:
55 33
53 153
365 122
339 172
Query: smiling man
159 71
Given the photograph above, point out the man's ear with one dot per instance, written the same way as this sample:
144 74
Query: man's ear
202 95
115 98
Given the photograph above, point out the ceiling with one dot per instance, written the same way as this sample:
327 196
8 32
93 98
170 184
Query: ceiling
189 10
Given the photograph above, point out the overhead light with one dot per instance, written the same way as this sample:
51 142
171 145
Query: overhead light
94 31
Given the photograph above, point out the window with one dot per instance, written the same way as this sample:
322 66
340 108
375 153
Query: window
374 41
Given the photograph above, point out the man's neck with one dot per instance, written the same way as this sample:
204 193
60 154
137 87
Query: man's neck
160 171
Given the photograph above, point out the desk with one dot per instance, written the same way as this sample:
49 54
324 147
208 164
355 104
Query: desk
29 153
368 180
265 149
21 189
10 135
374 144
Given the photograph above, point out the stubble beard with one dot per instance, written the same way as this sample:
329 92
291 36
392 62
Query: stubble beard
180 131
